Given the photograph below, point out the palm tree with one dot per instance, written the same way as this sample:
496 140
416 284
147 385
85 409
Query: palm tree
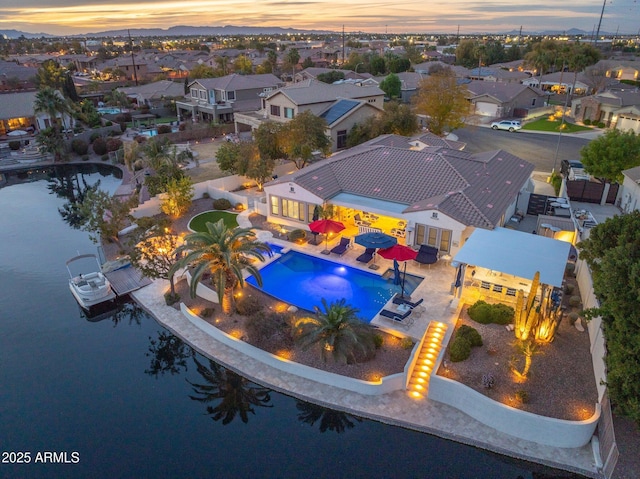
330 420
338 331
224 253
49 101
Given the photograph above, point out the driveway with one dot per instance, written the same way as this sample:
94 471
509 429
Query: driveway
537 148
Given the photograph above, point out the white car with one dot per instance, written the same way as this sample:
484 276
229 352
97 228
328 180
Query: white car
509 125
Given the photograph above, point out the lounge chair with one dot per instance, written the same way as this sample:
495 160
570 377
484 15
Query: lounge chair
427 255
398 300
341 248
359 221
402 318
366 256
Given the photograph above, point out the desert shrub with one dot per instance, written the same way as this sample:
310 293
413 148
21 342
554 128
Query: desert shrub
522 396
207 312
568 288
162 129
140 139
266 328
297 235
108 123
123 127
221 204
14 145
472 335
104 157
407 343
570 269
586 121
239 206
459 349
99 146
378 340
206 195
575 300
113 144
573 317
182 127
123 117
600 124
170 298
85 158
485 313
94 136
79 146
248 305
488 381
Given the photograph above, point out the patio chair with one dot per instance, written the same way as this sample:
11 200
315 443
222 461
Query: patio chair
398 300
366 256
359 221
427 255
341 248
402 318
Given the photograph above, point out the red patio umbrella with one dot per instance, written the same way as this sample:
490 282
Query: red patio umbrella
397 253
326 227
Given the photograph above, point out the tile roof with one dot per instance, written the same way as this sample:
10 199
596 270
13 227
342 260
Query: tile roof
499 90
473 189
312 91
240 82
16 105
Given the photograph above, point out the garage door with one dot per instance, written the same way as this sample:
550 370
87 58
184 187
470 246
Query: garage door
628 123
486 109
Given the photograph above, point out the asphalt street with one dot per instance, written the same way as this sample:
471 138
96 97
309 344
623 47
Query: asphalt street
537 148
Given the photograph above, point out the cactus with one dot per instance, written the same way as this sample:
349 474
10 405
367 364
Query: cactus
526 317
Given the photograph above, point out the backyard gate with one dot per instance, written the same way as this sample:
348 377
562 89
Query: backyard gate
591 191
608 448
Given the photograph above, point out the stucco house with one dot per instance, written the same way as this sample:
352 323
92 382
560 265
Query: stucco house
218 99
17 113
618 109
341 105
154 94
497 75
561 82
629 197
434 196
498 99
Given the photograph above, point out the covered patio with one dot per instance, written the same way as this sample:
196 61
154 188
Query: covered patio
495 264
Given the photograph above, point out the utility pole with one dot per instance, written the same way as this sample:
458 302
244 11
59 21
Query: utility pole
343 57
595 40
133 60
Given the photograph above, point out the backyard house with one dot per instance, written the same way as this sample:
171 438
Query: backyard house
615 108
433 196
499 99
17 113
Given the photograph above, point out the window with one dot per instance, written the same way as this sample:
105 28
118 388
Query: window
293 209
533 102
231 95
275 110
436 237
342 139
203 94
288 112
194 93
275 205
310 209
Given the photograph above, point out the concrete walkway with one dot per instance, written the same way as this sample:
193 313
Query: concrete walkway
396 408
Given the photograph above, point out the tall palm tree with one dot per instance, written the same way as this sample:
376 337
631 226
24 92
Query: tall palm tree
338 331
49 101
225 253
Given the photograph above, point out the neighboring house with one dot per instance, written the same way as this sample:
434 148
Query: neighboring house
622 70
497 75
424 68
409 82
499 100
615 108
218 99
16 77
132 69
341 105
630 194
154 94
440 195
17 113
561 83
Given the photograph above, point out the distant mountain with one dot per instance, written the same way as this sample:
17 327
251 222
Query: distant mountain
183 30
18 34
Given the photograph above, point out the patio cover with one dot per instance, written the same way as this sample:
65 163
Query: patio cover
516 253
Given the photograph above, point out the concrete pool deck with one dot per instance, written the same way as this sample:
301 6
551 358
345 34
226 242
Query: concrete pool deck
396 408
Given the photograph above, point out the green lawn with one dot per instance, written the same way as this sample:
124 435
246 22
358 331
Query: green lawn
198 222
543 124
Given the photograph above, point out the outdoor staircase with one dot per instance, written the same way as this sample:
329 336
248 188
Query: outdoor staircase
418 387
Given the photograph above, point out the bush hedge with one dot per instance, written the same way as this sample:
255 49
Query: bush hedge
221 204
164 129
297 235
14 145
459 349
100 146
485 313
113 144
79 146
471 334
248 306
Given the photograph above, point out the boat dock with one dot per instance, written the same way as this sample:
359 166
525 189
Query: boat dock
125 280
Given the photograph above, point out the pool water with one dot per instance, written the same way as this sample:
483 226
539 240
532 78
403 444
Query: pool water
275 248
106 110
304 280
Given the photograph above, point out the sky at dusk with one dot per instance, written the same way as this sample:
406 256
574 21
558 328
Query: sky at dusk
61 17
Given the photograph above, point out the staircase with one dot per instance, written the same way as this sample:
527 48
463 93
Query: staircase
418 387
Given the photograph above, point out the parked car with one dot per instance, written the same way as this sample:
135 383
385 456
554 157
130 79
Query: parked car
509 125
573 170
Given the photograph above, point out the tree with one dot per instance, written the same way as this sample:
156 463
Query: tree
243 65
466 54
337 331
227 157
610 154
330 77
105 215
178 197
50 74
443 101
202 71
291 59
397 118
303 136
50 102
307 63
391 85
155 253
225 254
612 251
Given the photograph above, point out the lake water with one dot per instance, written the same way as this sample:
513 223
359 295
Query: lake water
119 396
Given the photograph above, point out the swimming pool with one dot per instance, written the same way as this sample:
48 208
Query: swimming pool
154 132
303 281
107 110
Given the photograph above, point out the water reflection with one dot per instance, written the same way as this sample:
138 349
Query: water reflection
168 354
233 394
330 420
116 312
72 185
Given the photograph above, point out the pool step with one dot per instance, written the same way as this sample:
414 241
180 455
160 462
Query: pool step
418 387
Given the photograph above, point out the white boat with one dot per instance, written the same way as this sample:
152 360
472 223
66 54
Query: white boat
90 288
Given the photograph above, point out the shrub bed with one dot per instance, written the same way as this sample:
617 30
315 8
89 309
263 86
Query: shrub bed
221 204
485 313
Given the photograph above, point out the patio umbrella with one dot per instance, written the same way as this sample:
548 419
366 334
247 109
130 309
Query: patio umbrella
326 227
316 216
397 253
17 133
